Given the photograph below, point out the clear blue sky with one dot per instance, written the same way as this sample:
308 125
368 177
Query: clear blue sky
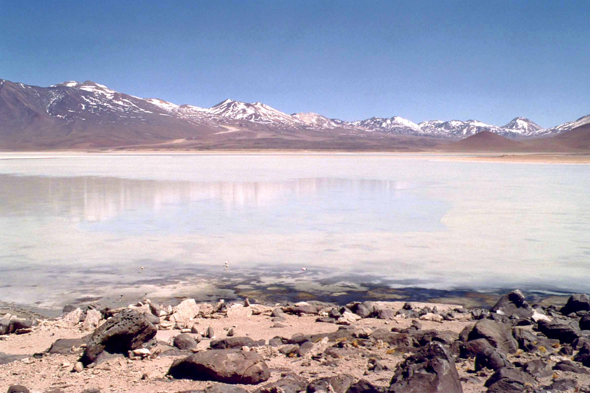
487 60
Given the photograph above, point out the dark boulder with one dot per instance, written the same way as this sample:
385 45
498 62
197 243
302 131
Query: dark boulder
583 355
498 334
585 322
124 332
431 369
492 359
527 340
577 302
561 385
235 342
562 330
513 305
571 367
288 383
337 384
185 341
472 348
509 380
302 309
442 336
222 365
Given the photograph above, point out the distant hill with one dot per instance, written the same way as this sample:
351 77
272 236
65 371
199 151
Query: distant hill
485 141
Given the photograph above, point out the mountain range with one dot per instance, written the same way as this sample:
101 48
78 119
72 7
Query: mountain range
90 115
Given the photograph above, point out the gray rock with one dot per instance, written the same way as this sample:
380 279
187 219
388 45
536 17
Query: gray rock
498 334
222 365
288 383
290 349
304 348
561 385
91 390
185 341
472 348
152 318
538 368
509 380
571 367
5 359
564 331
442 336
230 332
492 359
276 342
432 369
325 320
527 340
225 388
302 309
513 305
278 313
65 346
385 313
337 384
578 302
235 342
585 322
210 332
68 308
124 332
583 355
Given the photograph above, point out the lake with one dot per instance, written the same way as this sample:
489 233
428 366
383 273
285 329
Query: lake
81 227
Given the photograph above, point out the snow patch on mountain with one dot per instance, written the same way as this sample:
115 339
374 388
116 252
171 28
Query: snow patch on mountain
315 120
395 124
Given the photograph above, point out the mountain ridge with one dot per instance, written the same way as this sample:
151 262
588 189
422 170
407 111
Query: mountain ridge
79 109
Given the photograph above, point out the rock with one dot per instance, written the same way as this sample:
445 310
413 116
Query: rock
238 311
347 318
225 388
288 383
91 390
78 367
302 309
364 386
498 334
10 325
304 348
210 332
72 318
474 347
585 322
376 366
325 320
230 332
17 389
337 384
561 385
222 365
527 340
564 331
442 336
492 359
385 313
66 346
509 380
185 312
68 308
5 359
235 342
275 342
290 349
583 355
185 341
125 331
578 302
278 313
363 310
538 368
571 367
432 369
156 310
92 320
513 305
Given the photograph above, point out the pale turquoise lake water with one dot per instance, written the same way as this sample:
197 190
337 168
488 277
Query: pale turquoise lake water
76 225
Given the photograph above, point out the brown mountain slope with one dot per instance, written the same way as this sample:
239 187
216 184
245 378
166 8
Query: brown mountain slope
484 141
576 140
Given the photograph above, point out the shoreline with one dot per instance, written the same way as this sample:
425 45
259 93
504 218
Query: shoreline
582 158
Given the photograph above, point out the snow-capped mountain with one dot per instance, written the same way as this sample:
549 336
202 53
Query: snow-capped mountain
315 120
523 125
570 125
396 125
255 113
73 112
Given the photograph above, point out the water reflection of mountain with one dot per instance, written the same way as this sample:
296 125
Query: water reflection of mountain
99 198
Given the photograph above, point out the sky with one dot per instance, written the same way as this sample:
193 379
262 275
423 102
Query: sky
418 59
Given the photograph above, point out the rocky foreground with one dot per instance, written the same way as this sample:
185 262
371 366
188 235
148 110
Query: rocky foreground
312 347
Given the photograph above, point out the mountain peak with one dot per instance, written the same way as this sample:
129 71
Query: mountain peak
523 125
